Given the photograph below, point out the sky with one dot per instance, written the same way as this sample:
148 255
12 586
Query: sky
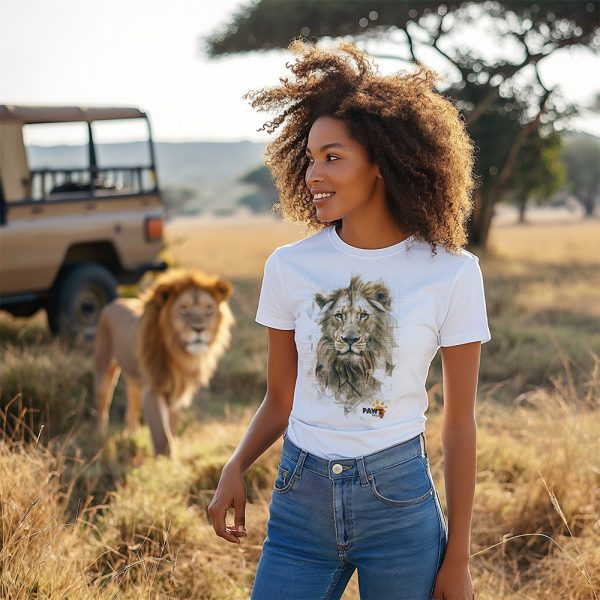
145 53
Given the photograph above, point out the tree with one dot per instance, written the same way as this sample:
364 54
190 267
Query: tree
502 101
582 159
262 199
539 173
177 199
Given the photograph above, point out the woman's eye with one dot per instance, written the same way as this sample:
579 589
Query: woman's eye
310 160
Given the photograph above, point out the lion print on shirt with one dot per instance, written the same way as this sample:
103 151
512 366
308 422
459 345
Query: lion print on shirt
356 339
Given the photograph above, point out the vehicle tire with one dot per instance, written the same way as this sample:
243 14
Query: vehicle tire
77 300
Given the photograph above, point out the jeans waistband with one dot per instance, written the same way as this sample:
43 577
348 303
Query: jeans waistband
340 468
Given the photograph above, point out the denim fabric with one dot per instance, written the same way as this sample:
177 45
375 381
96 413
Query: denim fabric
379 513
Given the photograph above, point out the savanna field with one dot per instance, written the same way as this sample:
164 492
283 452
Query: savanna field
87 517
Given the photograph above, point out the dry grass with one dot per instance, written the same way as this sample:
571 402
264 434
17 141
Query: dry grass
84 517
231 247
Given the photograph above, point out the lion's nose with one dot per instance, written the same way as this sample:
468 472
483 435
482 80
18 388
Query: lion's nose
197 329
349 340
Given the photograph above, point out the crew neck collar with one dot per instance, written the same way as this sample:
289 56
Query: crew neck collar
339 243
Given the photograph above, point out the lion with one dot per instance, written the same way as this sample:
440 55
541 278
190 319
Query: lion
167 343
356 339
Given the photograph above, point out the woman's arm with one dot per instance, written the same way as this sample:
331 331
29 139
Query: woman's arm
460 365
271 419
266 426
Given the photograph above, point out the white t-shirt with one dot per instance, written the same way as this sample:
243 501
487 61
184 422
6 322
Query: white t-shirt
367 326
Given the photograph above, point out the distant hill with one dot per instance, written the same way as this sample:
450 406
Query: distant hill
209 170
196 177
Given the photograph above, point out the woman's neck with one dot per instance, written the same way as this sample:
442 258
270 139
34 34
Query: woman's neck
370 236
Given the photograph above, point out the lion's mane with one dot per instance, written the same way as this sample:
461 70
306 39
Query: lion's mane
170 371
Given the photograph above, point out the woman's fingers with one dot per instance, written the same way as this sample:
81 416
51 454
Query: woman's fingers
240 515
225 532
221 529
230 493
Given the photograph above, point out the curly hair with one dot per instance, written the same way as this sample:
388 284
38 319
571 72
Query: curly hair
416 136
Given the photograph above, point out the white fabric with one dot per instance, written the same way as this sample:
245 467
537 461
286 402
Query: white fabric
419 303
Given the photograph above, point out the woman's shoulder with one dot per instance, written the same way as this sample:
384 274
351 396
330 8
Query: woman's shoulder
443 255
303 245
445 264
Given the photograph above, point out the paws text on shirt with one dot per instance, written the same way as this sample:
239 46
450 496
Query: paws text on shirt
377 409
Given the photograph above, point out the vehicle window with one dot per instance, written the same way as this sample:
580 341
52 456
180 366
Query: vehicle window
57 154
123 155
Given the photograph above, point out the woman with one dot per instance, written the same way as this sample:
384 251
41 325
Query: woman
379 168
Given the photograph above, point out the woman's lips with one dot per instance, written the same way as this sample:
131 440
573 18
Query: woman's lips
319 201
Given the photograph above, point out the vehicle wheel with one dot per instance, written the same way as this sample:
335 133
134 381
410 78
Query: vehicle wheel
77 299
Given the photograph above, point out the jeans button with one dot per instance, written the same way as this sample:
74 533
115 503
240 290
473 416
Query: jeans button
337 468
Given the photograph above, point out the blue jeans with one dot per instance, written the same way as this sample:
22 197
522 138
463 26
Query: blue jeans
379 513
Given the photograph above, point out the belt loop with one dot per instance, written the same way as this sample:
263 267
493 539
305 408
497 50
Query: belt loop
422 440
301 458
362 471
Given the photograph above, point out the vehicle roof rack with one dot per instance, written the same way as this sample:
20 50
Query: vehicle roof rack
65 114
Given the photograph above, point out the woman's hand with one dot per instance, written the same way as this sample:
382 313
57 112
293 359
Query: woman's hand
230 493
453 581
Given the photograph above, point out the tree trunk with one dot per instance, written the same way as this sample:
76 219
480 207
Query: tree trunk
488 214
522 204
473 222
478 226
588 205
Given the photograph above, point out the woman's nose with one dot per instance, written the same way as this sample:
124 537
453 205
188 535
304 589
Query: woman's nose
313 175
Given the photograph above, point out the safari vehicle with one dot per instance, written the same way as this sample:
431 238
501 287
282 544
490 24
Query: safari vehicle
70 235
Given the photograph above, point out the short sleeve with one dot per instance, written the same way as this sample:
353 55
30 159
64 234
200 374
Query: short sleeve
272 309
466 317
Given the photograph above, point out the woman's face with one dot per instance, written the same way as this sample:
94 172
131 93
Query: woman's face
338 165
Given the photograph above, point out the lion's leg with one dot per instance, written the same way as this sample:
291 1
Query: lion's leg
134 402
104 389
174 414
106 374
156 413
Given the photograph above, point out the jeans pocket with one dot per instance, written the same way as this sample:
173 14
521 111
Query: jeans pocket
404 484
286 474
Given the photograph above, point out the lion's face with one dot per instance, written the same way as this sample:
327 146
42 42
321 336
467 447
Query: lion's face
350 324
194 316
353 317
356 339
185 329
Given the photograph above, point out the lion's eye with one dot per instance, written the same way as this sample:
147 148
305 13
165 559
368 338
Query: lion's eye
363 316
338 316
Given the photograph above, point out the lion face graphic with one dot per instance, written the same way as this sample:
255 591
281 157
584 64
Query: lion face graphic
356 339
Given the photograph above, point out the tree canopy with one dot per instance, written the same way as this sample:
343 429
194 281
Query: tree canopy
504 101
